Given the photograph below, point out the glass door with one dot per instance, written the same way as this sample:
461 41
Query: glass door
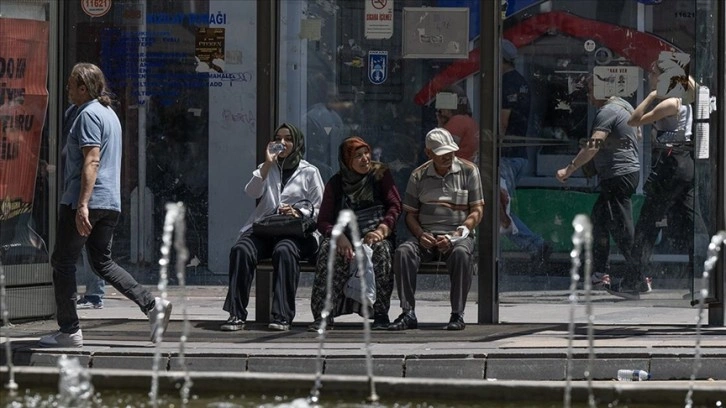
570 70
354 68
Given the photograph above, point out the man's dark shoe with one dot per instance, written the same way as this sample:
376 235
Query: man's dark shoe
456 322
624 291
318 322
406 321
380 322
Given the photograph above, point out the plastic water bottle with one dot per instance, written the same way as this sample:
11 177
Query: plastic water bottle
633 375
277 148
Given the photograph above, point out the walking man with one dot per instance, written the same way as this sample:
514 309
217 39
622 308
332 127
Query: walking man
443 204
91 206
613 146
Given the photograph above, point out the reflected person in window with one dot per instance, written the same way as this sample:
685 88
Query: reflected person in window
278 183
669 188
443 204
513 121
458 121
614 147
367 188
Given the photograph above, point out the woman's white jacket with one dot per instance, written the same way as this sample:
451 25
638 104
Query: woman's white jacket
305 183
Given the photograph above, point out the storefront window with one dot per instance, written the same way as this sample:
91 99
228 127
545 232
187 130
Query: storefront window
24 168
183 73
560 45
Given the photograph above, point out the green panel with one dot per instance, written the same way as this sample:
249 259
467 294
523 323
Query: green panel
550 213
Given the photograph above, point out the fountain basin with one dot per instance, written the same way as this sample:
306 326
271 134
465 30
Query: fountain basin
449 391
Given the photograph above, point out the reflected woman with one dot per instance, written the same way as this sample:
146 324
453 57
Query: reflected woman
669 188
367 188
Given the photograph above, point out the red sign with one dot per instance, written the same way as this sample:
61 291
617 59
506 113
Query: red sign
23 105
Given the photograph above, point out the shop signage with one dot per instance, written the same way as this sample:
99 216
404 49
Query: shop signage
96 8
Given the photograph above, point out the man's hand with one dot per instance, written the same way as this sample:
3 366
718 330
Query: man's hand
427 240
83 225
562 174
443 243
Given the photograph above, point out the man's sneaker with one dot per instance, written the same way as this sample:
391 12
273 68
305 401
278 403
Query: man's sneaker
84 303
158 327
456 322
60 339
617 289
279 325
233 324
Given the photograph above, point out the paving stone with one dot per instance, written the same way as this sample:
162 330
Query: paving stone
51 359
472 368
606 368
677 368
389 367
137 362
536 369
299 365
210 363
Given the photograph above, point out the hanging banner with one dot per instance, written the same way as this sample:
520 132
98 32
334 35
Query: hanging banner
23 105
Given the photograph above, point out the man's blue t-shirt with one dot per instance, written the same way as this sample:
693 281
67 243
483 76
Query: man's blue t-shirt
93 124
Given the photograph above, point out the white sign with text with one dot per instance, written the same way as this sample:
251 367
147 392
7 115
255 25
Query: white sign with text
378 19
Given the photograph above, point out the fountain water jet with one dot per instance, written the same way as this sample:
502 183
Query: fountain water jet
74 383
346 218
713 250
581 237
11 385
173 222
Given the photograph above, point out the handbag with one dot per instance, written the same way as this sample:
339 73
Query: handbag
282 225
369 218
353 288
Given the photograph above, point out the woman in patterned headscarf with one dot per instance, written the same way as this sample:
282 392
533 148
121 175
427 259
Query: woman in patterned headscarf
367 188
281 181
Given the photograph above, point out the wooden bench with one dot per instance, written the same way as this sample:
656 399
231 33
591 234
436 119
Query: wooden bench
263 283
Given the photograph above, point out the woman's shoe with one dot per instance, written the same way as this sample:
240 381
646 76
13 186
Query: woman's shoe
318 322
279 325
380 322
233 324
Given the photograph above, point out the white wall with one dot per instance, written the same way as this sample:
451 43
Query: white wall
232 131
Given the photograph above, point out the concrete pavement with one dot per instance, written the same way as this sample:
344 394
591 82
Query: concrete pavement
527 346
